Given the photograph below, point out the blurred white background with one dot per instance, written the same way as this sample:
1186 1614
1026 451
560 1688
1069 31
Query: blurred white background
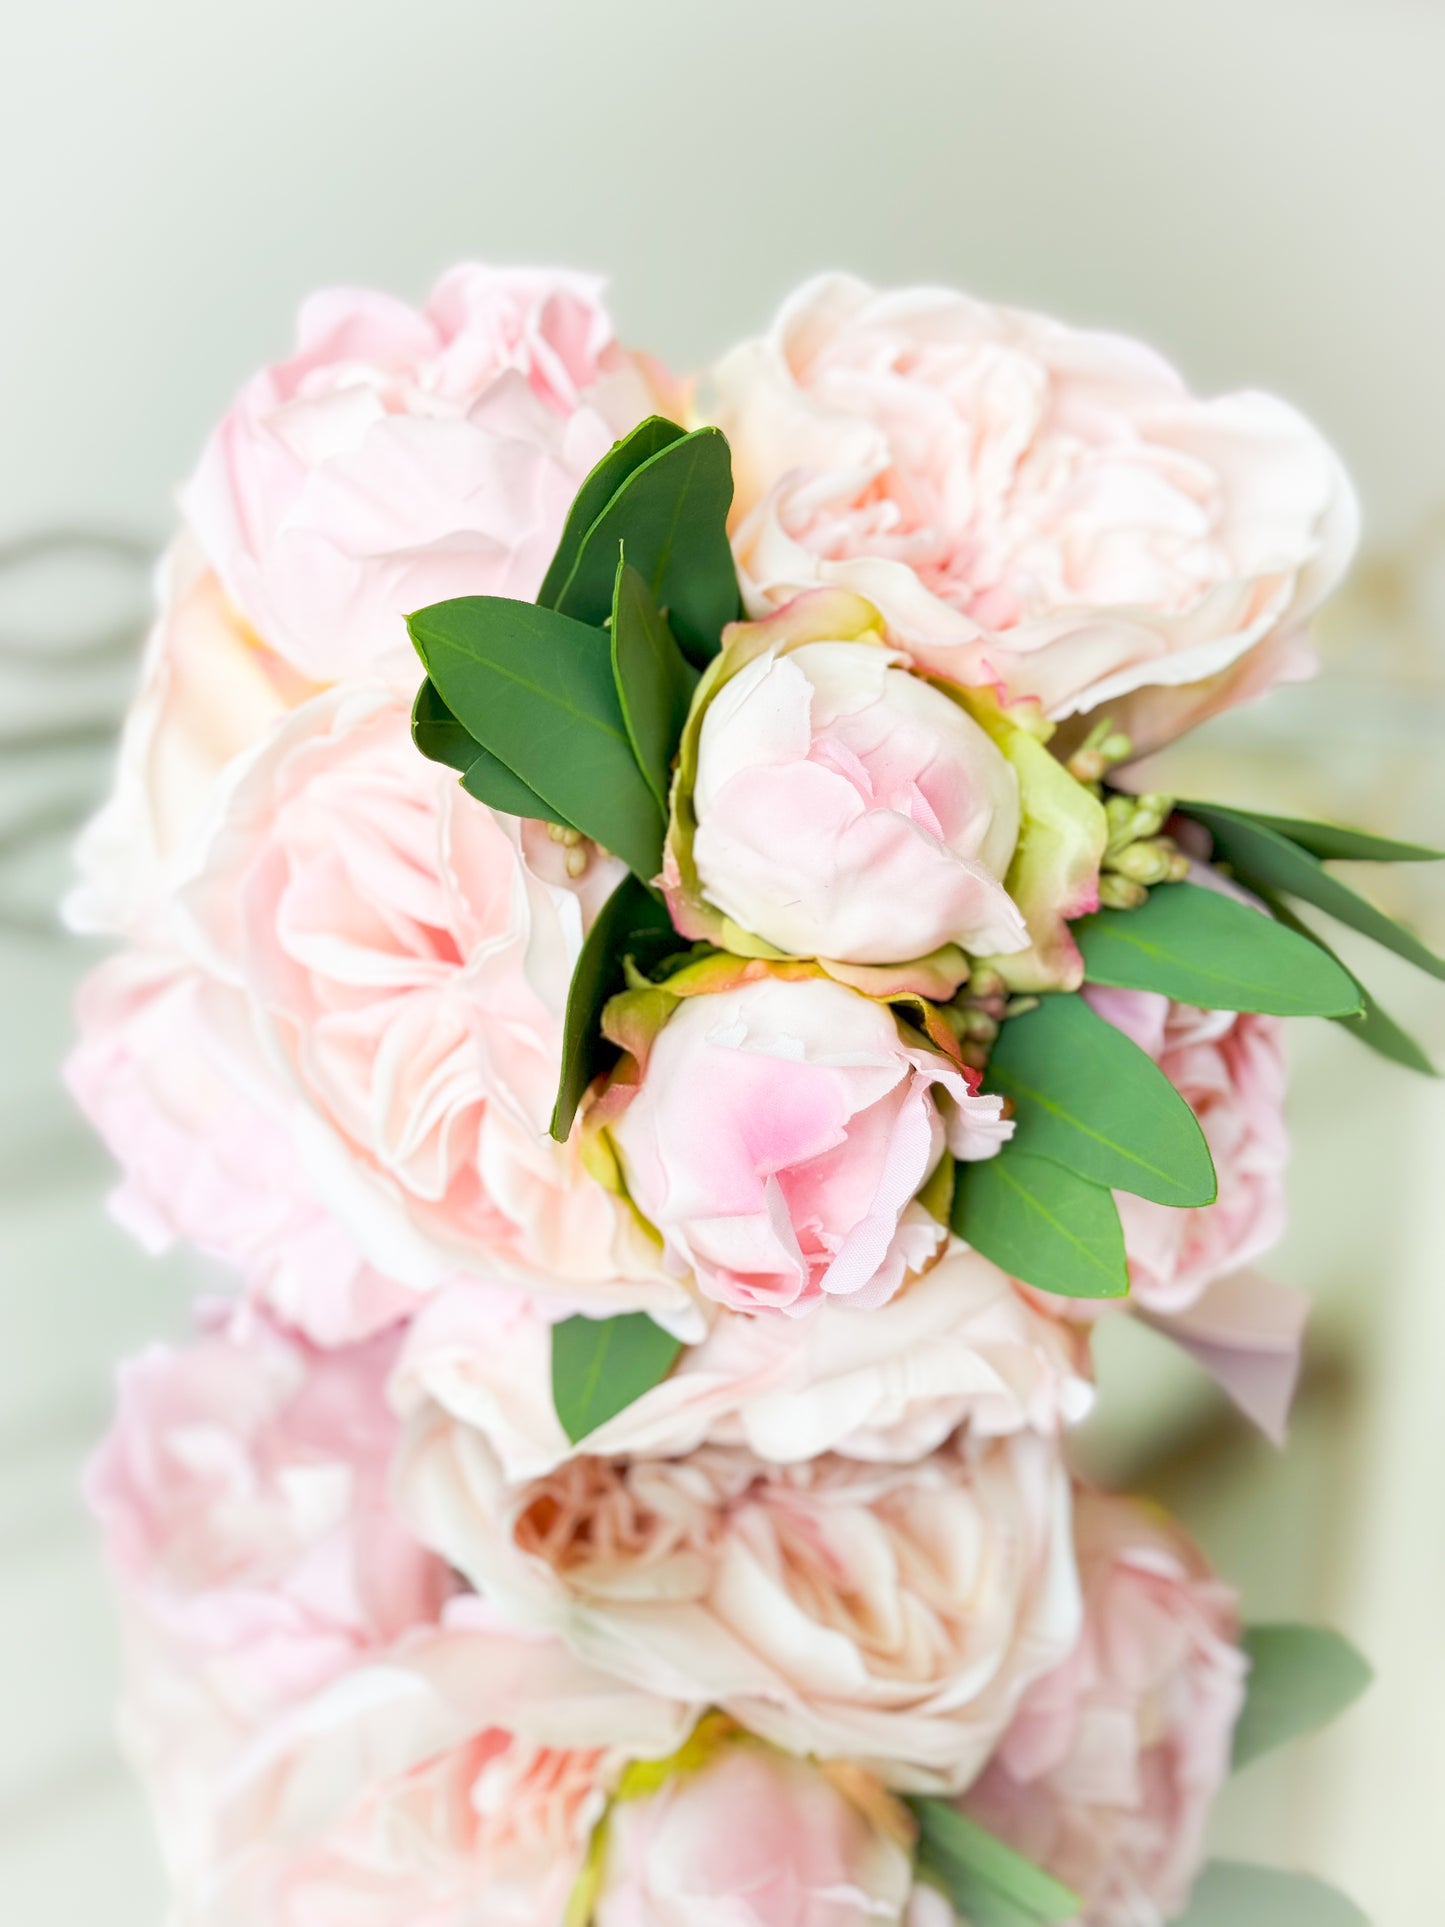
1257 186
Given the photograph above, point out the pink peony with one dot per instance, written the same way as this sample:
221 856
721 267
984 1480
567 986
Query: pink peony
1230 1066
403 456
1030 504
779 1137
1110 1768
889 1615
750 1838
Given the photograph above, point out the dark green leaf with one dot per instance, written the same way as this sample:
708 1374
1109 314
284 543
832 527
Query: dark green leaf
1230 1894
632 923
654 682
1263 859
1300 1678
672 514
536 690
989 1884
598 490
1332 840
1203 948
491 782
600 1366
1374 1027
437 733
1043 1224
1086 1096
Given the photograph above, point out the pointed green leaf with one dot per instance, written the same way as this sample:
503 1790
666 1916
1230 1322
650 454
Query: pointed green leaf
437 733
491 782
536 690
654 681
1300 1678
1203 948
672 514
1263 859
989 1884
598 490
1330 841
1043 1224
1230 1894
1086 1096
1374 1027
600 1366
632 923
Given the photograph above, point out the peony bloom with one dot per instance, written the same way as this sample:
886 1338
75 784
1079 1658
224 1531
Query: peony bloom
781 1132
751 1838
1230 1066
1030 505
402 456
889 1615
960 1347
1110 1768
404 955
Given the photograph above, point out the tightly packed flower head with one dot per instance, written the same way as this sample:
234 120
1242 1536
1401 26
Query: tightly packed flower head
890 1615
1030 504
779 1134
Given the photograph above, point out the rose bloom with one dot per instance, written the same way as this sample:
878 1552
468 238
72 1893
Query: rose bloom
404 955
961 1346
1230 1067
402 456
778 1139
1030 504
888 1615
750 1838
845 808
1107 1775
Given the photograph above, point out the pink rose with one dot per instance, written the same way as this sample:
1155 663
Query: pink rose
751 1838
960 1347
840 806
402 456
1110 1768
405 955
889 1615
1230 1067
1030 504
780 1135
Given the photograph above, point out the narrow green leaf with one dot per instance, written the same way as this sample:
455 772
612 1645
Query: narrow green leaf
437 733
1086 1096
536 690
598 490
1230 1894
672 514
654 680
1300 1678
1043 1224
632 923
1374 1027
1203 948
1262 858
1330 841
600 1366
988 1883
491 782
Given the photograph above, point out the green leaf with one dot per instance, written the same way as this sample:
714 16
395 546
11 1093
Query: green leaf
989 1884
1230 1894
437 733
1331 840
645 441
1374 1027
536 690
491 782
1263 859
1043 1224
672 514
600 1366
654 682
632 923
1203 948
1300 1678
1086 1096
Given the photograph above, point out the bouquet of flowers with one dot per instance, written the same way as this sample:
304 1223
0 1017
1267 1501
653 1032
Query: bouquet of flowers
644 950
